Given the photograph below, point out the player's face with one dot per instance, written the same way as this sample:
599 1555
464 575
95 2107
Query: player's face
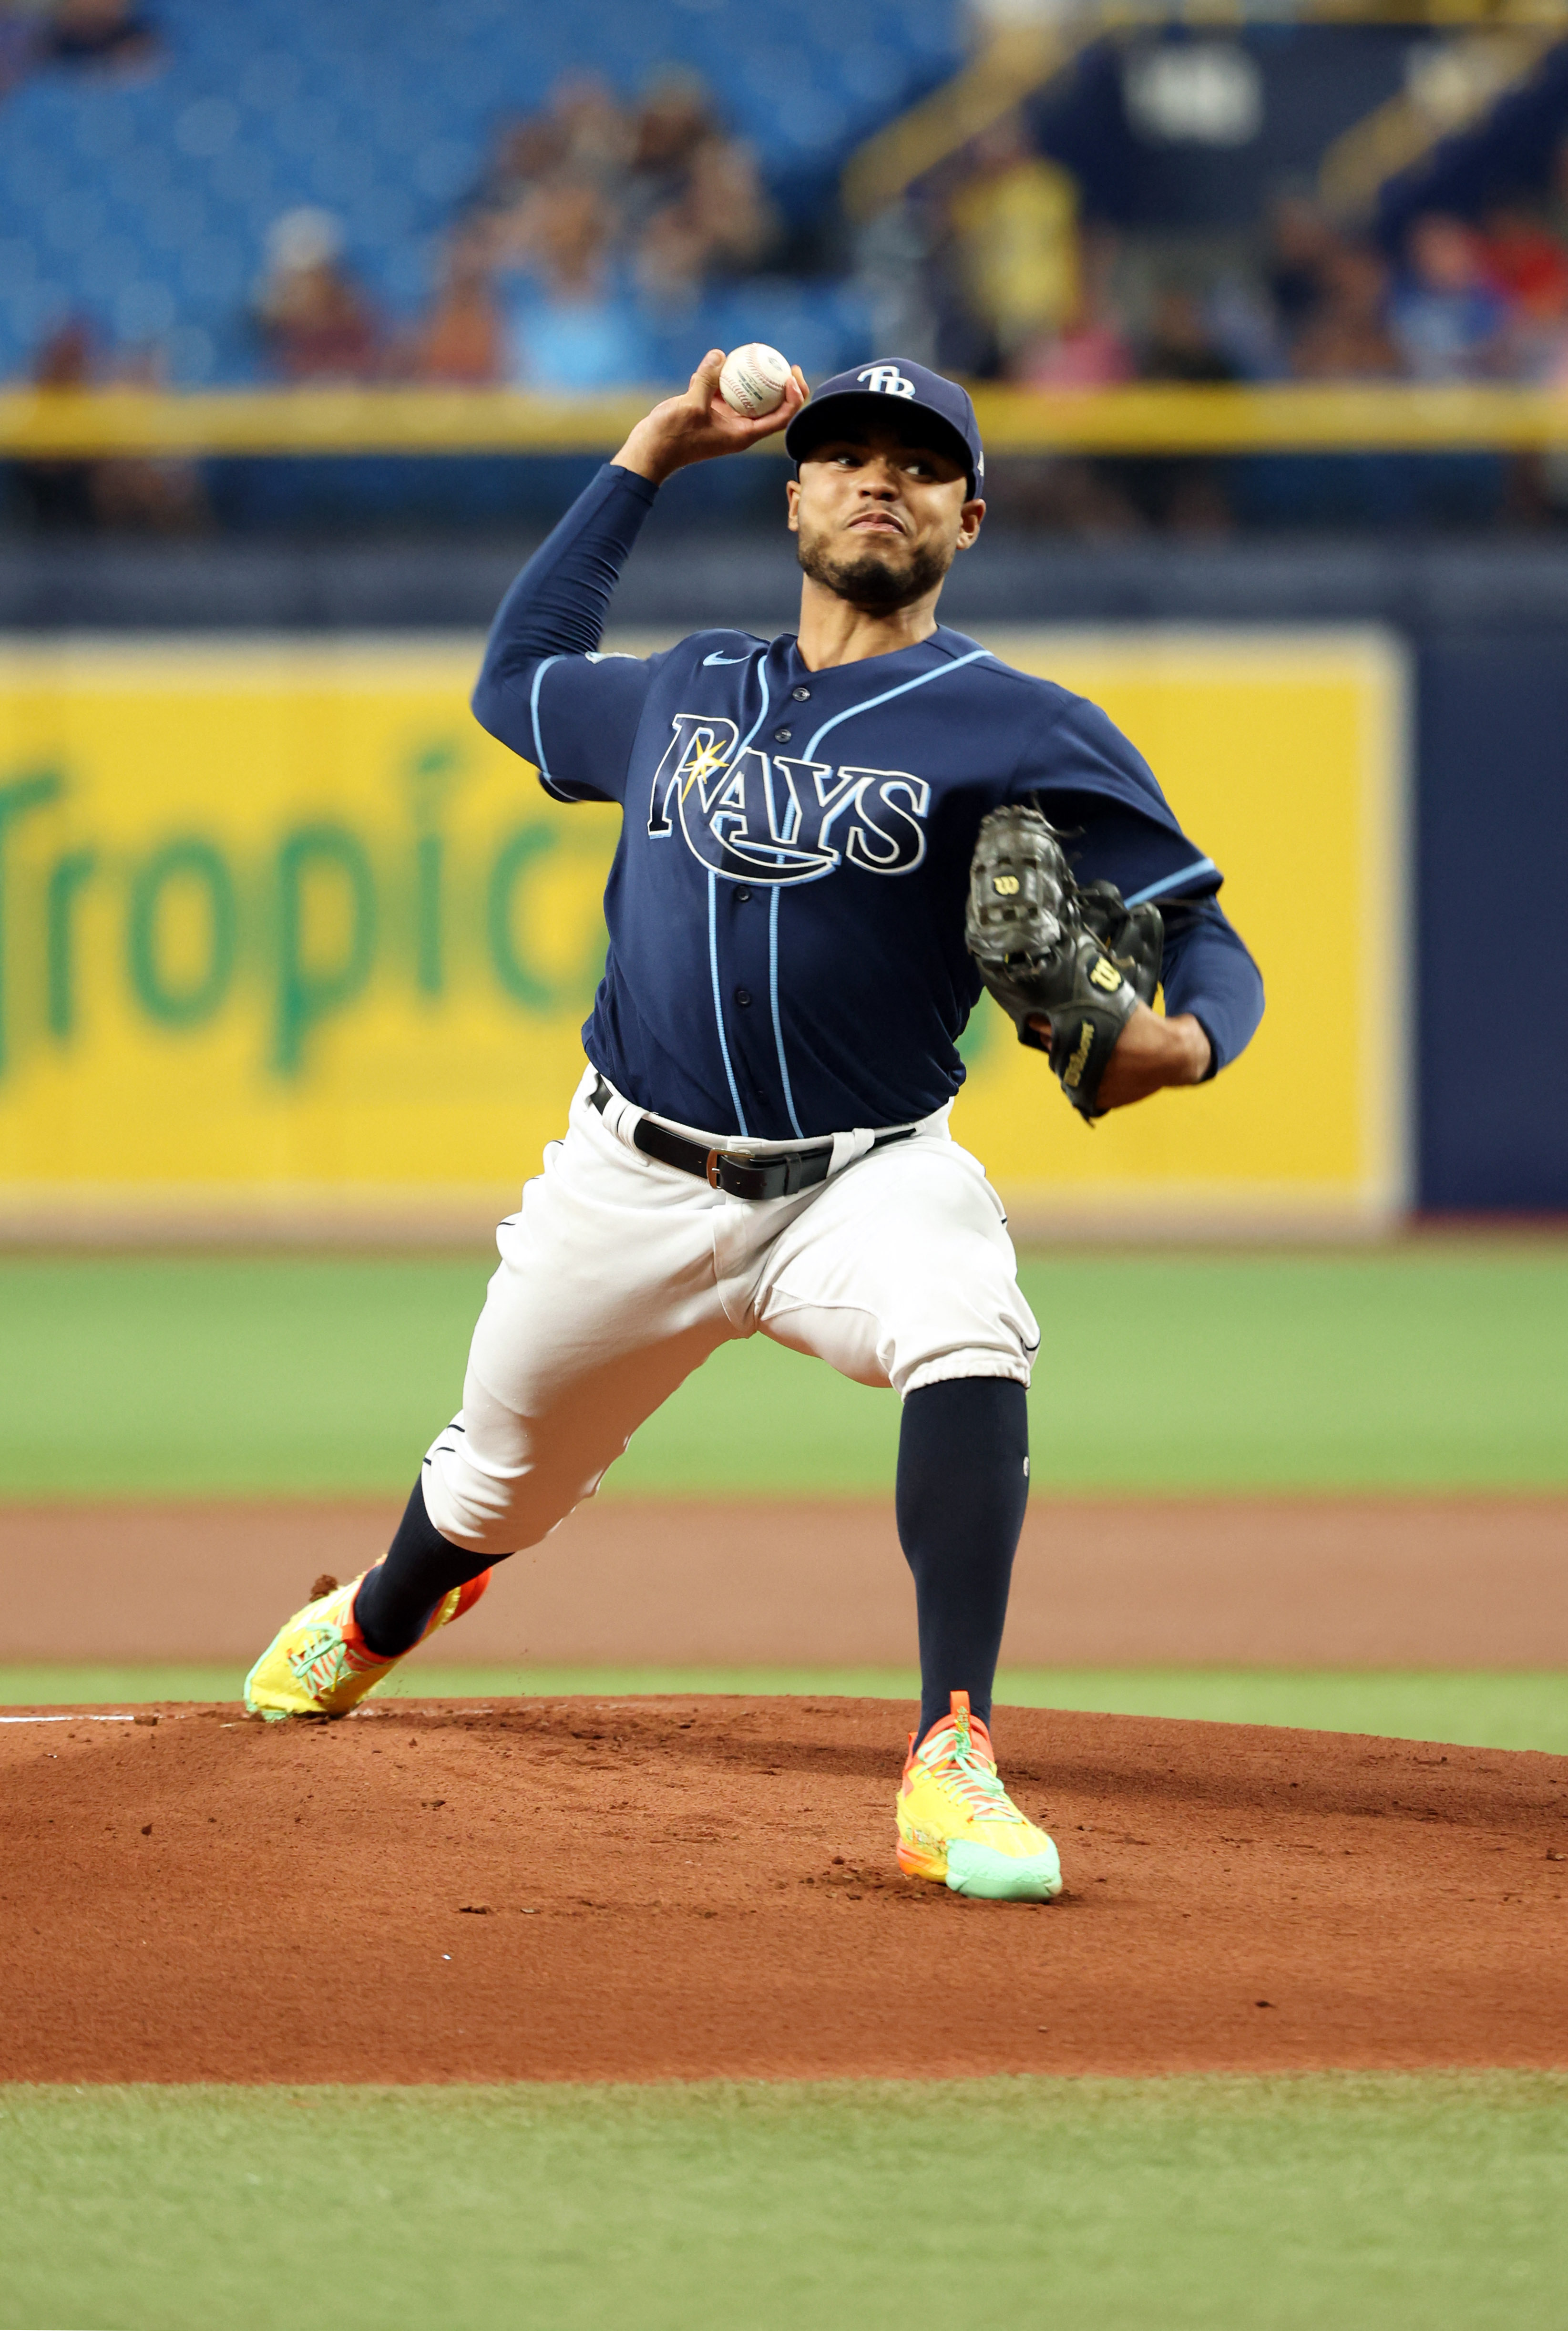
880 516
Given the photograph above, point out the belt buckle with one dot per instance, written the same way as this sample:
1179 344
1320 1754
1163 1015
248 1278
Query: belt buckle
718 1160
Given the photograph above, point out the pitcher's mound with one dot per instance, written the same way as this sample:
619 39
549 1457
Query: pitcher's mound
652 1889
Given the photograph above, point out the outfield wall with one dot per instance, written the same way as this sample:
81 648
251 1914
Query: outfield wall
287 941
1491 880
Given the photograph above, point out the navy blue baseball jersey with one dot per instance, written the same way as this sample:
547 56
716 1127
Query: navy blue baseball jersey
785 908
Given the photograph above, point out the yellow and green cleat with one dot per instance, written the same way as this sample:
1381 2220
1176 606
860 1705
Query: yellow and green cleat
319 1664
957 1825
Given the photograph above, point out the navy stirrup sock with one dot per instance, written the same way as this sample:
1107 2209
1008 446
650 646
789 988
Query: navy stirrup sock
394 1605
963 1486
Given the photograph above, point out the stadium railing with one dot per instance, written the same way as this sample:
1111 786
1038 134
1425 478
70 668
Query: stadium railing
1164 418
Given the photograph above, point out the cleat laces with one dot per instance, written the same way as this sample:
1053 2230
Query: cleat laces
960 1766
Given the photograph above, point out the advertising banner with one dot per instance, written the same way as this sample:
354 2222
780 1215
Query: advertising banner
286 939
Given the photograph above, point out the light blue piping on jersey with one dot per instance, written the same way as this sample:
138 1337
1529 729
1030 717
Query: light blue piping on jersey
887 694
713 946
717 1007
772 933
545 779
772 999
1171 882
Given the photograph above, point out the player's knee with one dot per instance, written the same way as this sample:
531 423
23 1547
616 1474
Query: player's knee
973 1324
948 1367
493 1511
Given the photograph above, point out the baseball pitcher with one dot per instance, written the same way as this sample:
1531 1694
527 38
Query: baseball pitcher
829 843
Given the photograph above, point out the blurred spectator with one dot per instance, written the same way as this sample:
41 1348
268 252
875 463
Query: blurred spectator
165 497
20 41
53 493
65 356
462 339
573 325
582 138
1091 350
1524 260
599 134
316 323
1554 208
1187 495
1304 245
717 224
114 33
1346 337
525 153
1446 316
1015 227
1064 495
1529 266
673 121
693 201
588 206
132 493
1179 345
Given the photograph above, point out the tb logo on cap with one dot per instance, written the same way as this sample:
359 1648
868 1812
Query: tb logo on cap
885 380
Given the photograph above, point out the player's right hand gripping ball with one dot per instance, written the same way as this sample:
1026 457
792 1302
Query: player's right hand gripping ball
1046 949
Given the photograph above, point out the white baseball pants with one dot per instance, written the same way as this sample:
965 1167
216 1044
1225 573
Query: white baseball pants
619 1275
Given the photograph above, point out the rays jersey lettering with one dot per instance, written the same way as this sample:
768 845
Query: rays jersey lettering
770 818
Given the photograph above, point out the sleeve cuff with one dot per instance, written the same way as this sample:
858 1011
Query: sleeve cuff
643 488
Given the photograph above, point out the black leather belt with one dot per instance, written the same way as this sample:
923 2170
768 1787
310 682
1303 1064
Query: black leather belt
737 1177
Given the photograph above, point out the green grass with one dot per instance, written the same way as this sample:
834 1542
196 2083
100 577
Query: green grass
1478 1710
1417 1368
1418 2203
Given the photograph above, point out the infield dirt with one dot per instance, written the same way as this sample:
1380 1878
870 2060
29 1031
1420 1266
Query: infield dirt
1291 1581
654 1889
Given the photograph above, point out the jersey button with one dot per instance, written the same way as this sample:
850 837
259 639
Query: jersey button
742 894
743 996
802 695
782 736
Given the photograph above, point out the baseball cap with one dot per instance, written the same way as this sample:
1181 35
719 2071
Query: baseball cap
853 396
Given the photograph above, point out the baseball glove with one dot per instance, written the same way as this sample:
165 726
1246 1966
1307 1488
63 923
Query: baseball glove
1048 947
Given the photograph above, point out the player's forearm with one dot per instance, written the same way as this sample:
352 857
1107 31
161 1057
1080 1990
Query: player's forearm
558 603
1209 973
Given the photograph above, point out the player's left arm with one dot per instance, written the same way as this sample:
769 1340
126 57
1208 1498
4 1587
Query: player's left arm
1214 1004
1098 789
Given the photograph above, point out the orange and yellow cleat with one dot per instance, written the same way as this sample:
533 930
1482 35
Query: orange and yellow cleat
958 1826
319 1664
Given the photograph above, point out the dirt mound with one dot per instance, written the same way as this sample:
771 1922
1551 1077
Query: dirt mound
648 1889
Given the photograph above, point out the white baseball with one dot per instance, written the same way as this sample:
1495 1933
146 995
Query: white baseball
753 379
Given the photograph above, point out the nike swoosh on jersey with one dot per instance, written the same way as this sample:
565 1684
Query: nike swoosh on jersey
718 659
